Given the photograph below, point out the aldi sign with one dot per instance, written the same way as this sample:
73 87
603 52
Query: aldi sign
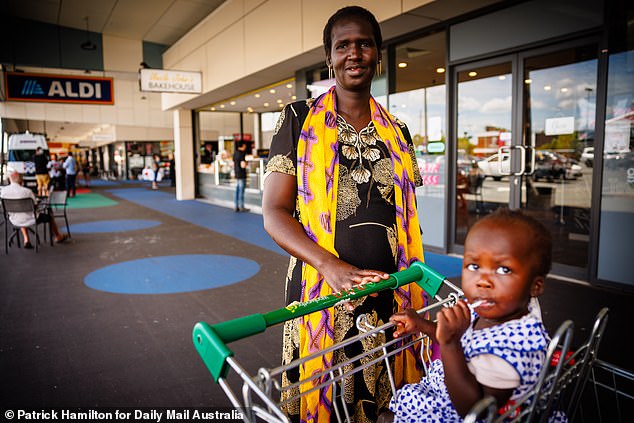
59 88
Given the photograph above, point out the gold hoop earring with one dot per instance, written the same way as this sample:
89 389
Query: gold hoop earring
379 71
330 72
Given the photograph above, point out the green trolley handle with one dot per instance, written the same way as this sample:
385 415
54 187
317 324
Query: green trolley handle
210 340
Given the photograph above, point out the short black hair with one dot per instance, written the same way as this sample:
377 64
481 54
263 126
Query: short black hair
537 234
349 12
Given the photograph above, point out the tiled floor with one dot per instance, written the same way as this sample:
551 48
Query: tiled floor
67 345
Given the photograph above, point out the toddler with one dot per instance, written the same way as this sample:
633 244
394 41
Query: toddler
494 343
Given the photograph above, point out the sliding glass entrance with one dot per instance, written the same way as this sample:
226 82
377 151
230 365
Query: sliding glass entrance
559 105
524 138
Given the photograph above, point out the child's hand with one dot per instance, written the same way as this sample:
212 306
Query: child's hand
452 323
406 322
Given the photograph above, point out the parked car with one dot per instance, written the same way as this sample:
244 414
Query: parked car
587 156
550 166
464 160
574 171
618 159
495 167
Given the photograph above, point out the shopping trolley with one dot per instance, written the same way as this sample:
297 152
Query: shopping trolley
608 396
262 392
576 383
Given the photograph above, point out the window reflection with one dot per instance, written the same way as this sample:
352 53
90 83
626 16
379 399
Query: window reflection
559 125
483 127
617 202
420 102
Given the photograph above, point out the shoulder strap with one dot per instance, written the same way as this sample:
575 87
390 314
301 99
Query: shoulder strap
300 109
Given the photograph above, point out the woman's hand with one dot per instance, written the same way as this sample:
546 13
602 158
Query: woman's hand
341 276
452 323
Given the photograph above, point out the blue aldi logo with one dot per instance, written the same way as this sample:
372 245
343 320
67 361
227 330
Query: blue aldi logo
59 89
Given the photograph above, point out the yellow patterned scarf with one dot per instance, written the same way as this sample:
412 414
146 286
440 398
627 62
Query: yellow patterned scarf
317 181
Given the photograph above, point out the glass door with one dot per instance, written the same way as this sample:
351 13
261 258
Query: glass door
524 138
483 140
558 115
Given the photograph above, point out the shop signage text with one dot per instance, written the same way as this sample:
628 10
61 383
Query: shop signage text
22 86
167 81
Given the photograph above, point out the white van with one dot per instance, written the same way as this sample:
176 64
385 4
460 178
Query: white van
21 149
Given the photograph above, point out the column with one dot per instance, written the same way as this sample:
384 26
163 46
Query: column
184 154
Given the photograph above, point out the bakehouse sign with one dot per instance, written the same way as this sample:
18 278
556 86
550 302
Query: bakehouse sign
169 81
22 86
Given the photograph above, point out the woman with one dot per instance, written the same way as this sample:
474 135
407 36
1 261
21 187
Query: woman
54 171
353 218
156 166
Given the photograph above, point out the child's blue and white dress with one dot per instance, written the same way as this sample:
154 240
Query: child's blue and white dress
522 343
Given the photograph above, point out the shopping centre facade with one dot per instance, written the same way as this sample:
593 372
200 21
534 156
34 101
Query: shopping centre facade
538 95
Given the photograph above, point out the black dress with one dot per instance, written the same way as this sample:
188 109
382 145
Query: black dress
365 236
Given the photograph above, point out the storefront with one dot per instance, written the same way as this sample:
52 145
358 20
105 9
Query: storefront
136 164
526 105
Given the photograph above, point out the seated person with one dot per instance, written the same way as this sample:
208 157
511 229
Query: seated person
15 191
494 343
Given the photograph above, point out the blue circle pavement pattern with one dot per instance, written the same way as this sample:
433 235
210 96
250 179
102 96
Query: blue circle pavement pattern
119 225
172 274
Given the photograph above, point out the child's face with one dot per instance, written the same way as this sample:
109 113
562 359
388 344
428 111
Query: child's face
498 268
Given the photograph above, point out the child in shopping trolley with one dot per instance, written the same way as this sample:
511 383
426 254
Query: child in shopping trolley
494 343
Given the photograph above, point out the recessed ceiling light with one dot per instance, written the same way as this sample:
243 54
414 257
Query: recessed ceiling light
402 65
281 105
266 104
213 109
547 88
528 81
473 73
502 77
257 95
440 70
564 90
294 97
233 103
272 91
279 100
250 109
289 85
222 106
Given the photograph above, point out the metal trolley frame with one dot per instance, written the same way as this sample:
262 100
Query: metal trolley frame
261 393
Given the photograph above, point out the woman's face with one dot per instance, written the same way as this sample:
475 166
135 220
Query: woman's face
353 54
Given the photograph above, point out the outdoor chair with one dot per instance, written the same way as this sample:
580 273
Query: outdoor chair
57 202
22 205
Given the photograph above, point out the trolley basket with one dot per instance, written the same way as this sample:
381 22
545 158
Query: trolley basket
260 399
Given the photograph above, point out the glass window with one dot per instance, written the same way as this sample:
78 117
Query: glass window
214 162
559 124
617 194
484 116
419 101
268 122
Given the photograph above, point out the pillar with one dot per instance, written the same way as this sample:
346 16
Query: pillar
184 155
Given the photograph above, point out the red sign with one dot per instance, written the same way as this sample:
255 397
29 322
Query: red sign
245 137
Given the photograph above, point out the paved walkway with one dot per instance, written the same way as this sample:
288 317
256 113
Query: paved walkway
106 319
